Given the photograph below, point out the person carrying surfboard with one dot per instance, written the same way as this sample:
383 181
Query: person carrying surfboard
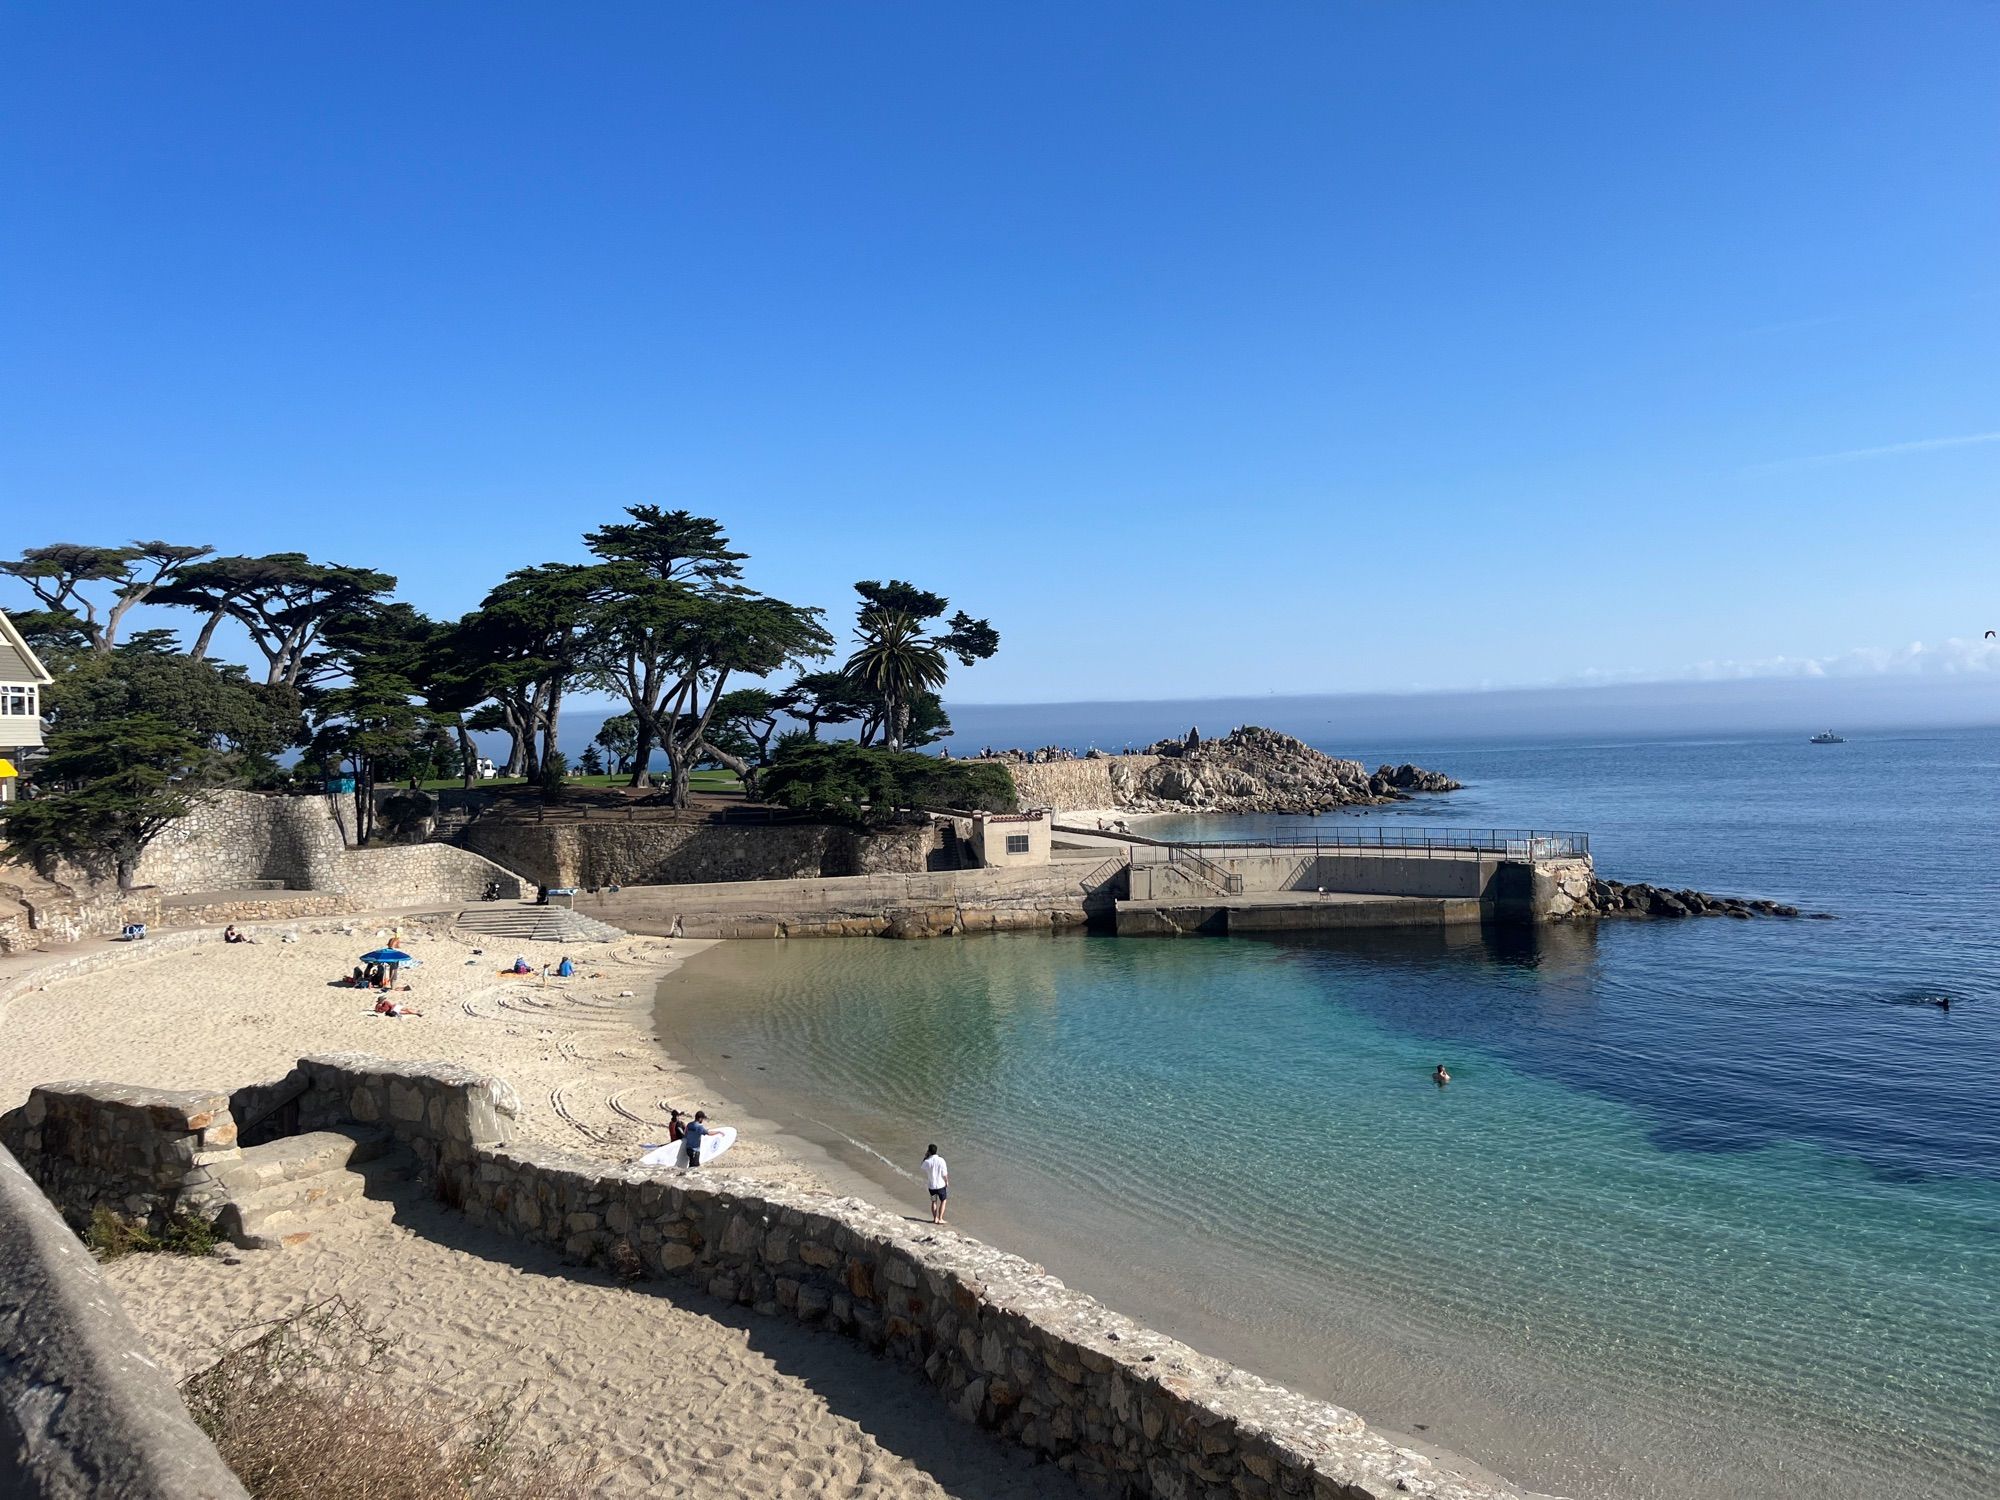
938 1179
696 1129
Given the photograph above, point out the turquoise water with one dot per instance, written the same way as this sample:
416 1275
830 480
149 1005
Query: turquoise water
1710 1207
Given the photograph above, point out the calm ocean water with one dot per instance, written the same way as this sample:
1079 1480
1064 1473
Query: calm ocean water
1711 1207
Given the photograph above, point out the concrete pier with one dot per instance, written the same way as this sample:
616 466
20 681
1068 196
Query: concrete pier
1409 878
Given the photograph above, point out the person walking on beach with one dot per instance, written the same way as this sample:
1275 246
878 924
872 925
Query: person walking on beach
937 1177
696 1129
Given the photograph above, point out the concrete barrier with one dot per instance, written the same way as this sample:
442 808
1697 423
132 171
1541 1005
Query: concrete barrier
85 1412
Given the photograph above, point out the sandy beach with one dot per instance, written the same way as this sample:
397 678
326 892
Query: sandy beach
674 1394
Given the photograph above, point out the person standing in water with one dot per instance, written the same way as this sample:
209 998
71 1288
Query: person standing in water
937 1177
1440 1077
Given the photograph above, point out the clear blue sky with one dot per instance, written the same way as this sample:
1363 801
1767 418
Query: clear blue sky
1206 348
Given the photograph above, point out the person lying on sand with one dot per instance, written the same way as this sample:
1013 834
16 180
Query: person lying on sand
388 1006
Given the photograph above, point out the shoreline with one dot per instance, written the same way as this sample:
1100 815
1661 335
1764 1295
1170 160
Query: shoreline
585 1058
840 1164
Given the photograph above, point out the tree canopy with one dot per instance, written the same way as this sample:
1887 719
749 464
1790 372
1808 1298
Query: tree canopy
847 782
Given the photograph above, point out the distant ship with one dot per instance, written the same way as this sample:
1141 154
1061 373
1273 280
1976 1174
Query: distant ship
1828 737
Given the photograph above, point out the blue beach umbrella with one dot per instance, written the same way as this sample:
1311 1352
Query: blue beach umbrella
387 956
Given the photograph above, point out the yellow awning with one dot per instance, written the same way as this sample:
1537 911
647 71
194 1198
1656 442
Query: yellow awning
7 768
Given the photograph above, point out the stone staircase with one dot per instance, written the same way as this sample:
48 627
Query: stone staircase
271 1191
526 922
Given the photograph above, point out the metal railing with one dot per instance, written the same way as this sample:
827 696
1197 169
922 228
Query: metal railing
1509 843
1206 870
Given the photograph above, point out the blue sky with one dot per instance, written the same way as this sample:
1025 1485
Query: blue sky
1206 349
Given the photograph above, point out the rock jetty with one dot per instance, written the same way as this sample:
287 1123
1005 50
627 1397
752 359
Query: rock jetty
1247 770
1614 898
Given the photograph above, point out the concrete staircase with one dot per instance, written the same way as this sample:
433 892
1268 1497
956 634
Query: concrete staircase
526 922
272 1190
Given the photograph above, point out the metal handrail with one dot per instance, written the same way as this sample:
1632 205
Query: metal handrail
1225 881
1512 843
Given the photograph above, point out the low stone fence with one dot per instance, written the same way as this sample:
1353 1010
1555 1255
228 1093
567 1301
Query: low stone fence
139 1154
1008 1346
85 1412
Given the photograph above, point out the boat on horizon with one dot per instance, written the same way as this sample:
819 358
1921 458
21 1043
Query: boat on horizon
1828 737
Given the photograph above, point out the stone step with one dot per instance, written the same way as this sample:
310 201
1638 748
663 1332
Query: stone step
272 1191
537 924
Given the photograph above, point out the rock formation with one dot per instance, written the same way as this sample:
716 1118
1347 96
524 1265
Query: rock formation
1247 770
1614 898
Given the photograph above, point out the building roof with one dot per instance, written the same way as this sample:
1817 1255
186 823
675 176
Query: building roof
18 661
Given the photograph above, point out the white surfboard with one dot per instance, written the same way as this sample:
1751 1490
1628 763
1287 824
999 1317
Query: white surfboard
674 1154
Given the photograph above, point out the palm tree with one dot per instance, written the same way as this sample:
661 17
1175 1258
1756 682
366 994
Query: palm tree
896 663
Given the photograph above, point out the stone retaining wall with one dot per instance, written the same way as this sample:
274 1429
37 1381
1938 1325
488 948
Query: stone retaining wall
1042 898
1067 785
141 1155
671 851
85 1410
237 841
1008 1346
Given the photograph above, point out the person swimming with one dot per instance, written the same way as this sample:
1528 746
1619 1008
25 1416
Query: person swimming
1439 1076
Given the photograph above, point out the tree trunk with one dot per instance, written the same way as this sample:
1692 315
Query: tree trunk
127 860
745 772
549 719
201 642
468 762
642 752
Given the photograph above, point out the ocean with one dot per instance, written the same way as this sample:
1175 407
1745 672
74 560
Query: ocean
1710 1206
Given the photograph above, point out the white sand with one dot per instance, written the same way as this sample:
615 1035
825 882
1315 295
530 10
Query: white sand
679 1394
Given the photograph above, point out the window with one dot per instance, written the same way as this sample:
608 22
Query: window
19 701
1017 843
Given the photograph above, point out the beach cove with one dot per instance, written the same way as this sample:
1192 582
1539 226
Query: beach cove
481 1318
1708 1204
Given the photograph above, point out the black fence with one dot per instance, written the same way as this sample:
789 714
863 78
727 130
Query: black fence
1509 843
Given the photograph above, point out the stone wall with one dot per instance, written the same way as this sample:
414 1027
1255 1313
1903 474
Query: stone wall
1007 1346
243 841
664 850
137 1154
37 913
85 1409
1032 898
1068 785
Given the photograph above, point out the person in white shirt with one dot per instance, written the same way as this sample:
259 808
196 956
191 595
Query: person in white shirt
938 1179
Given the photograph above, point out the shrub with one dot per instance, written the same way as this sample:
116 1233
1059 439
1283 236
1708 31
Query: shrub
302 1412
111 1238
845 782
555 777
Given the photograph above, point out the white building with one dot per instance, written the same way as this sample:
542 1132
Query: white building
22 678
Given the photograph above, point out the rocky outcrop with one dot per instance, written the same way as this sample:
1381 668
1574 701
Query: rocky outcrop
1614 898
1247 770
1409 778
